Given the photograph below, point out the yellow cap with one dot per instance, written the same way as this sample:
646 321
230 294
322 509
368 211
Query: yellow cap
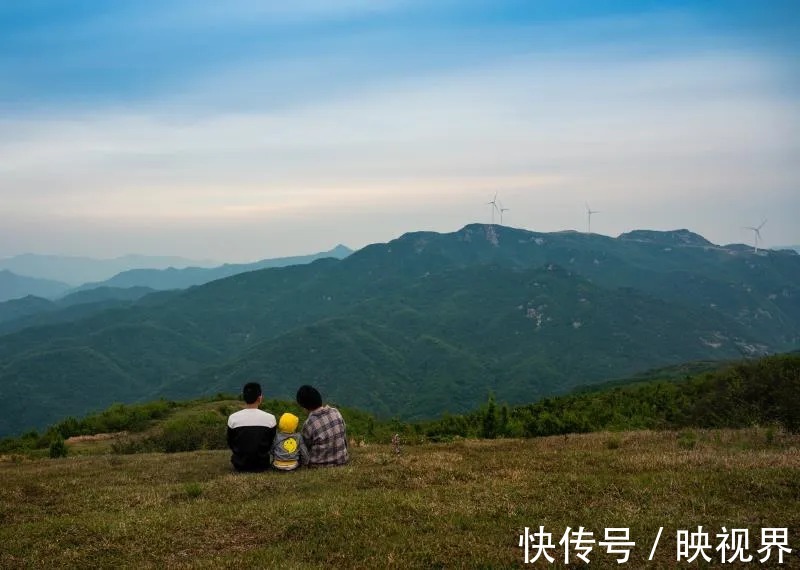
288 423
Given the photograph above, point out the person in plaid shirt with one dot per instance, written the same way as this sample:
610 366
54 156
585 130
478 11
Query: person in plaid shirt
324 432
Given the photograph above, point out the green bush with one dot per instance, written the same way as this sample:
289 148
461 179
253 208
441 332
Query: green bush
118 417
58 448
193 431
687 440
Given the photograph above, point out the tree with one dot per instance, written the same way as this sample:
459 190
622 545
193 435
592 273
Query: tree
489 426
58 448
503 428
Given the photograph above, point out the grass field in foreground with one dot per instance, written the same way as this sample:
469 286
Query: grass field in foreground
461 504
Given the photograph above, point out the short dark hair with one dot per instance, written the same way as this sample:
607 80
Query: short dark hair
251 392
309 397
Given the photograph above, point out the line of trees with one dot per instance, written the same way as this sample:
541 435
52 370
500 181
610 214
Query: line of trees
762 392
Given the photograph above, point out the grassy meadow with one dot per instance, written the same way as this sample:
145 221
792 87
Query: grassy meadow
461 504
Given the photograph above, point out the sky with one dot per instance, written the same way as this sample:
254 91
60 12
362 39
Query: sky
247 129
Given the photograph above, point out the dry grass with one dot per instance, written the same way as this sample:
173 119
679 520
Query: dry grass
462 504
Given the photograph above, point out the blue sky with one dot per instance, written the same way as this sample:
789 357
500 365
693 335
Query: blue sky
248 129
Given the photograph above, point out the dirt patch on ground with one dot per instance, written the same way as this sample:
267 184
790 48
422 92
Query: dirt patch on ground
96 437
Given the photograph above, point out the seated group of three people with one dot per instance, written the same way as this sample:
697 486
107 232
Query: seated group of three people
259 442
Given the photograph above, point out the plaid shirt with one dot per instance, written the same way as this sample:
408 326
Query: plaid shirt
325 437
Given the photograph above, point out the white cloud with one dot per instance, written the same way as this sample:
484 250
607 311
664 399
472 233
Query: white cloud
641 136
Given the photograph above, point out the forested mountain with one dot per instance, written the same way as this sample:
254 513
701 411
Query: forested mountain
445 340
182 278
426 323
13 286
32 311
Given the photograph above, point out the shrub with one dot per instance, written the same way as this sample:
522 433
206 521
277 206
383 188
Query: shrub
489 420
193 490
687 440
192 431
770 435
58 448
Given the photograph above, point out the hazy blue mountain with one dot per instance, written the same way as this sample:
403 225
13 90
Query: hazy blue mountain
424 323
172 278
24 307
99 294
33 311
78 270
13 286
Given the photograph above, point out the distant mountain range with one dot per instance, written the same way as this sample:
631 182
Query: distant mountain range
13 286
122 290
32 311
16 286
172 278
423 324
78 270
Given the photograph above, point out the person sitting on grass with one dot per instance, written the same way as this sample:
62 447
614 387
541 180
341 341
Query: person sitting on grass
324 432
251 432
289 450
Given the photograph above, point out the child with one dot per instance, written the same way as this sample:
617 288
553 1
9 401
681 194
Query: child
288 451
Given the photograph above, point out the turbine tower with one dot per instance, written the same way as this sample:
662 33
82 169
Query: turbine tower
756 234
501 212
493 203
589 213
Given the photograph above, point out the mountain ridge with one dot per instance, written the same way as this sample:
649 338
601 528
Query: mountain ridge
13 286
182 278
736 302
76 270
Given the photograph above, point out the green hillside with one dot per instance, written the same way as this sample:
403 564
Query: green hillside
31 311
20 308
763 392
113 502
445 341
427 323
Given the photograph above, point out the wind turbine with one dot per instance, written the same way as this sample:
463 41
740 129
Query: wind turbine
756 234
501 212
589 213
493 203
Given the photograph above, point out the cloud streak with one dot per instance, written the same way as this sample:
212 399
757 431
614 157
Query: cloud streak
639 132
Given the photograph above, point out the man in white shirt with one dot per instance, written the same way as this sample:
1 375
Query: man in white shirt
251 432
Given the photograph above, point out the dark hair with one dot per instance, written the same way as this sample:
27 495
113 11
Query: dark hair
309 397
251 392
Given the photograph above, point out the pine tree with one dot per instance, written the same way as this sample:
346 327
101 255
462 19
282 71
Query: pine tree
58 448
489 430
